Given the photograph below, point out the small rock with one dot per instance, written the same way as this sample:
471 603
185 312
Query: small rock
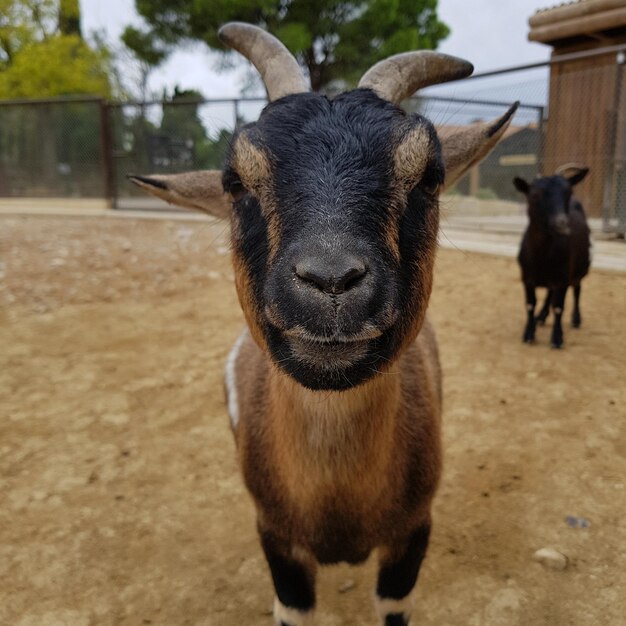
576 522
551 558
346 586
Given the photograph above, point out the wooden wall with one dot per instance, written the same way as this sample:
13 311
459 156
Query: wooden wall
582 121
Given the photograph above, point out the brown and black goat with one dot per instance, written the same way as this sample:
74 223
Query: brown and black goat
334 389
555 251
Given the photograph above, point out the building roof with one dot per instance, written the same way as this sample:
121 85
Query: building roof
580 20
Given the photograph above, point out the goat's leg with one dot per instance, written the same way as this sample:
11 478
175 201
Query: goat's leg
399 568
531 301
545 309
558 301
294 582
576 319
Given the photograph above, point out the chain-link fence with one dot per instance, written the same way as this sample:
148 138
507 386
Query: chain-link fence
52 148
572 111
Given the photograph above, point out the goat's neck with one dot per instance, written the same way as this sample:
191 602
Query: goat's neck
539 233
342 424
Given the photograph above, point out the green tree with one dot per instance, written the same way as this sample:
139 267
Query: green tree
23 22
332 39
147 52
69 17
43 54
184 133
57 66
180 115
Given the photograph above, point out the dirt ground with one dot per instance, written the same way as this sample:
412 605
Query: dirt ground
121 500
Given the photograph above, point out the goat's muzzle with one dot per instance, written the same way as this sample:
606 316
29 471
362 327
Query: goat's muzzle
560 224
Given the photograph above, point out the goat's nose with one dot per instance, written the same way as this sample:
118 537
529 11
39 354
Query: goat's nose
561 224
332 274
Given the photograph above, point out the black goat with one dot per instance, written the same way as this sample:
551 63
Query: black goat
555 251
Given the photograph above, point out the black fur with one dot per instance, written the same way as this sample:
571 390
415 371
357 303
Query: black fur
555 250
294 584
333 180
396 579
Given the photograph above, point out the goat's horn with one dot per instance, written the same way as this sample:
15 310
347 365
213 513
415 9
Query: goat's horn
401 75
569 169
279 70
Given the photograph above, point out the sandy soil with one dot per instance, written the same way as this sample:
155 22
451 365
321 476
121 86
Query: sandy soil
121 501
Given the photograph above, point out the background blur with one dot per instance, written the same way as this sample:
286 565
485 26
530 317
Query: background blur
122 500
93 92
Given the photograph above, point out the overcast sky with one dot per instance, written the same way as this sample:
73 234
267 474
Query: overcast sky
491 34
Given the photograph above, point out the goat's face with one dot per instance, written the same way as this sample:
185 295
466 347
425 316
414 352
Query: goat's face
334 228
334 210
549 199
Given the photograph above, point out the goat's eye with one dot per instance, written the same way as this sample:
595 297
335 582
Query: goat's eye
430 189
431 181
237 190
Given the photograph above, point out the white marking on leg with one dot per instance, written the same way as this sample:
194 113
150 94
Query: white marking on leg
230 379
530 307
293 617
558 310
389 606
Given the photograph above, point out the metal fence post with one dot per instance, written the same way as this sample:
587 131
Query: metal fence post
236 111
106 147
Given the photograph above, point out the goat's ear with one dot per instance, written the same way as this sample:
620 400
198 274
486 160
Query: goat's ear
200 190
465 148
573 174
521 185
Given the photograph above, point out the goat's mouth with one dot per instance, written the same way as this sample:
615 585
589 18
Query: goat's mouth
333 351
560 225
337 354
331 360
327 353
298 333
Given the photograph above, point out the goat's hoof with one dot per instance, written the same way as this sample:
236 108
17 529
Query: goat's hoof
396 619
576 323
556 345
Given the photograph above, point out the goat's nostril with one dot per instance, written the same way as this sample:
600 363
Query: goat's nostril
352 277
331 275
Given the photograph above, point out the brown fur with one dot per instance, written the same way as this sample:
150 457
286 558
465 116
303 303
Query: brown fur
335 474
253 167
410 159
365 456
